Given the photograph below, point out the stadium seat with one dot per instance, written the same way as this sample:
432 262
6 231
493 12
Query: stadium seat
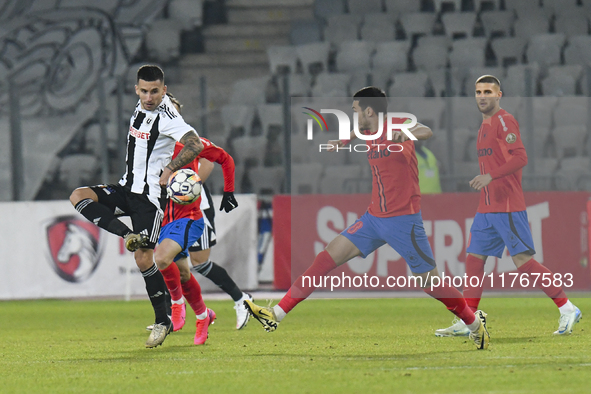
497 23
545 49
459 24
440 41
267 180
558 84
282 58
465 114
412 84
569 140
574 70
427 57
522 7
559 8
359 80
467 53
509 50
335 178
248 150
578 50
250 91
573 23
314 57
324 9
440 5
543 112
237 119
428 110
378 27
487 5
381 78
299 85
188 12
305 32
163 40
437 77
391 56
342 28
398 7
305 178
511 104
571 111
531 24
546 166
354 55
78 169
325 158
364 6
415 23
301 148
270 115
514 84
331 85
570 171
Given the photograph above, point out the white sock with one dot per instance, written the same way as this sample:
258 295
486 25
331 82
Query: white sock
203 315
179 302
475 324
241 301
279 313
567 308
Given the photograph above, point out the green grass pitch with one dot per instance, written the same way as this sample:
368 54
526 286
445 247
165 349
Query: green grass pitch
323 346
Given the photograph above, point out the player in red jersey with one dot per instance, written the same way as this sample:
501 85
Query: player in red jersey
393 217
199 251
501 219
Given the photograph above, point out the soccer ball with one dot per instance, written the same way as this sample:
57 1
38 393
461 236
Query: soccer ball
184 186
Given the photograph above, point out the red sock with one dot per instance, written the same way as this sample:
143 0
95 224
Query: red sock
322 265
172 277
472 295
192 293
554 292
453 300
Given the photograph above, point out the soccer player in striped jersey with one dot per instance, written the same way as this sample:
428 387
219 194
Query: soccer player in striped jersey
501 219
393 217
199 252
154 128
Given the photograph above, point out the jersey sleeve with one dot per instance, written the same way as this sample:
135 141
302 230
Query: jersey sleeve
214 153
509 139
172 123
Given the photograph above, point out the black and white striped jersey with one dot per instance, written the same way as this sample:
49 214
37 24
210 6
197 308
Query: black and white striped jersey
150 145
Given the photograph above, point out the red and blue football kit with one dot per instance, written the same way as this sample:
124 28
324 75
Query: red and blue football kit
394 216
184 224
501 219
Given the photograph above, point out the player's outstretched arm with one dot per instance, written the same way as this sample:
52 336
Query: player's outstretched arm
192 146
340 143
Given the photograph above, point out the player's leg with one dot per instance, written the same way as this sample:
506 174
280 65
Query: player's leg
484 241
173 244
519 241
407 236
98 204
199 254
192 293
356 240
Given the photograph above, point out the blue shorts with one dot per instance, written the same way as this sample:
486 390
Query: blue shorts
491 232
405 234
184 232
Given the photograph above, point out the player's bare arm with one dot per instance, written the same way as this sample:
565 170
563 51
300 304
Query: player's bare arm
420 131
192 147
205 169
480 181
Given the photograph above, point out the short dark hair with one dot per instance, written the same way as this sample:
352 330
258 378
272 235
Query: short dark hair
372 97
175 101
488 79
150 73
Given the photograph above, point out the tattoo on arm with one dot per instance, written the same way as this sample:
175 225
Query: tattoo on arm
192 147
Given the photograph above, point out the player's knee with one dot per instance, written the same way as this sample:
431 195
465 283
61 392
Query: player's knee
185 276
80 194
162 262
203 268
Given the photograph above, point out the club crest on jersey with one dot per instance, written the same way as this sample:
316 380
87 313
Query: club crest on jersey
74 247
511 138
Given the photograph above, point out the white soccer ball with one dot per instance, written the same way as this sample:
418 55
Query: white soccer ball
184 186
